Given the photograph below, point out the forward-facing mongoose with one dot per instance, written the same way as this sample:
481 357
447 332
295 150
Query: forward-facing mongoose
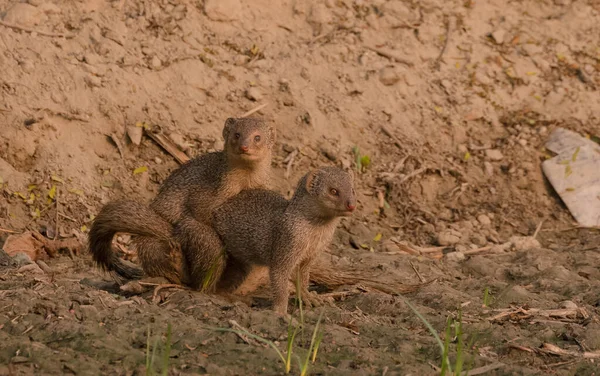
178 219
261 227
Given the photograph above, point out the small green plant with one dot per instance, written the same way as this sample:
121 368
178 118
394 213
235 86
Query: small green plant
487 299
457 337
315 340
362 161
150 356
211 273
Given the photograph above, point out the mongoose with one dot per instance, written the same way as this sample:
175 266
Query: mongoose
260 227
178 219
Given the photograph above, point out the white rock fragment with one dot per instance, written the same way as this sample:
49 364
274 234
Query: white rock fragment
524 243
449 237
484 220
254 94
223 10
494 154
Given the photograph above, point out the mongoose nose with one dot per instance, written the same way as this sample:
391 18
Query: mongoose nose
244 148
350 206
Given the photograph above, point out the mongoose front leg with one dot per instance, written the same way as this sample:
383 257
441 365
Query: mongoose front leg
279 276
310 299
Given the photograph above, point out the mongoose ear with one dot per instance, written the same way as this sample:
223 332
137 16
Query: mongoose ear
229 123
311 180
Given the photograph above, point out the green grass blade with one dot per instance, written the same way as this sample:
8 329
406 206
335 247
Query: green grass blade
430 328
304 368
167 353
148 352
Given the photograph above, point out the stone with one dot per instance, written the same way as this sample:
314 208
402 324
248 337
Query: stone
156 62
178 139
499 36
254 94
93 81
494 154
455 256
223 10
23 14
524 243
484 220
567 304
489 168
449 237
135 134
388 76
22 259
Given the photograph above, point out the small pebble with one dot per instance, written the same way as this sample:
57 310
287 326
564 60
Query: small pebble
489 168
448 237
156 63
178 139
567 304
22 259
388 76
494 154
524 243
455 256
135 134
498 36
93 81
484 220
253 94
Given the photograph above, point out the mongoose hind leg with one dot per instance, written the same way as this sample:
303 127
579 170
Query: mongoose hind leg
234 275
203 252
160 258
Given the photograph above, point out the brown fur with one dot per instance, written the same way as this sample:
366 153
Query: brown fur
261 228
175 231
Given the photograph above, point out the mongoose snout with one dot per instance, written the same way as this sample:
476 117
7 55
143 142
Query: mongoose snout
248 139
334 190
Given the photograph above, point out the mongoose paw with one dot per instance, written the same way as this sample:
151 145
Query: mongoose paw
311 299
280 308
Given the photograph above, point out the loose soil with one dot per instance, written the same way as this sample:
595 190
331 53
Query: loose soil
451 101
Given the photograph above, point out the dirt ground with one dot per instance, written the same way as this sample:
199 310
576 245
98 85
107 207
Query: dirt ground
452 101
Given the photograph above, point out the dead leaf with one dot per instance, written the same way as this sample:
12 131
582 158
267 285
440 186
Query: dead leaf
52 192
140 170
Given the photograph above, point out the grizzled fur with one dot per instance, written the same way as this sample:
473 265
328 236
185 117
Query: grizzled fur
260 227
175 229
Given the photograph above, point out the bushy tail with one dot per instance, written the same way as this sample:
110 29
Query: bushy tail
129 217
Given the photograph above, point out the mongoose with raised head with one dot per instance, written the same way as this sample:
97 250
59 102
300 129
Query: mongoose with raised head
261 227
178 219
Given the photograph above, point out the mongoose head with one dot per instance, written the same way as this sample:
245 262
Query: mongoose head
248 139
332 191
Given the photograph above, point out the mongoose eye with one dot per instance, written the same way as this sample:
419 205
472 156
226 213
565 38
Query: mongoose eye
237 135
256 138
333 192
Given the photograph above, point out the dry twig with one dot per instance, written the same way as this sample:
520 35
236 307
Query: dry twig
39 32
391 55
168 145
256 109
